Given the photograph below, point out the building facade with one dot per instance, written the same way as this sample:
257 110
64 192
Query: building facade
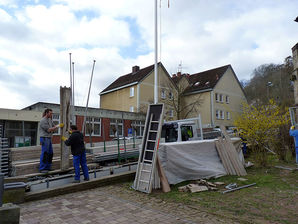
21 126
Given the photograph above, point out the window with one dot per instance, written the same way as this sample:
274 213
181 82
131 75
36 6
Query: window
132 91
56 120
163 94
131 109
222 115
170 95
116 125
138 128
220 98
93 126
217 97
171 113
227 99
217 114
228 116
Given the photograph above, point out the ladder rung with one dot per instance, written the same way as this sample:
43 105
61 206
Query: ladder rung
145 181
152 131
146 171
154 121
149 150
149 140
146 160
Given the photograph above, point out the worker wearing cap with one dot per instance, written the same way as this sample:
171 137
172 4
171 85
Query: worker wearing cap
294 133
46 129
76 142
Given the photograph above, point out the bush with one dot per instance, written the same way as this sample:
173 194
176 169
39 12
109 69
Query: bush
265 128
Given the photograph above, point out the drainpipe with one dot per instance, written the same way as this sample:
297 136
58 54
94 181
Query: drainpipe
212 108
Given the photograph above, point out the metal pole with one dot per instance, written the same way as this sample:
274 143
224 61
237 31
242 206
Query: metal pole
1 187
70 72
238 188
83 129
73 97
155 64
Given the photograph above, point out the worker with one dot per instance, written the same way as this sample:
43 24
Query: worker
294 133
76 142
46 129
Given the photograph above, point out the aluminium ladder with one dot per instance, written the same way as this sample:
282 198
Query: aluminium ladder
147 157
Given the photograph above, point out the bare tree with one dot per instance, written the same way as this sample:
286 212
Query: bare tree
182 107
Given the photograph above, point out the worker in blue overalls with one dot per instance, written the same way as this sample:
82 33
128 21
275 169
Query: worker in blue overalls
77 145
46 129
294 133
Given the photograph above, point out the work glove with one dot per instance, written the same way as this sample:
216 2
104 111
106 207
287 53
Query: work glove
63 138
292 127
61 125
70 132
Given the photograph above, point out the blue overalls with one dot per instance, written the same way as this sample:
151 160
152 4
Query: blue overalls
46 155
294 133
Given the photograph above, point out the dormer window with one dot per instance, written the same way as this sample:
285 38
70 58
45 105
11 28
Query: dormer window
197 83
207 83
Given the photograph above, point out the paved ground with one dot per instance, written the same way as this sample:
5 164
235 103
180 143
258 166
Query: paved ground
110 205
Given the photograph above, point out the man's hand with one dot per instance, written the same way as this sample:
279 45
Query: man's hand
63 138
292 127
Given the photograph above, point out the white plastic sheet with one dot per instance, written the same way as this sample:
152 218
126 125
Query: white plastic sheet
191 160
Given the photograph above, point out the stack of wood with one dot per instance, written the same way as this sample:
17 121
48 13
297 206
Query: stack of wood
228 155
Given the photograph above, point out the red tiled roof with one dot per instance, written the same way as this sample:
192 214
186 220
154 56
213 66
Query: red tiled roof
130 78
205 80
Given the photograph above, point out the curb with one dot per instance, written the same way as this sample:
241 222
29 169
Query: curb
71 188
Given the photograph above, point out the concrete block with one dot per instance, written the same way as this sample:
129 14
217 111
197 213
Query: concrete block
10 214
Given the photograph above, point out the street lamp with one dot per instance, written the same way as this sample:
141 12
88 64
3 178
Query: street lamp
269 84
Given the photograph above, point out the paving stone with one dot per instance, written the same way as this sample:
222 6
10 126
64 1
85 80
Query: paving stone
109 205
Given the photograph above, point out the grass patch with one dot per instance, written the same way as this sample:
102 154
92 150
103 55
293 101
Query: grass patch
273 199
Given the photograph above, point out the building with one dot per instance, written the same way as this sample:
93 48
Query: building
295 72
21 126
217 93
134 91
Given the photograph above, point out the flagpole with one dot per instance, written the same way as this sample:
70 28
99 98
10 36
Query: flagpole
155 64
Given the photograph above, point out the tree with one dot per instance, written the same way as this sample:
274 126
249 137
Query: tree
271 81
261 127
182 107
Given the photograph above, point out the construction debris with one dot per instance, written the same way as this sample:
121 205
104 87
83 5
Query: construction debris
219 183
199 186
238 188
242 179
228 155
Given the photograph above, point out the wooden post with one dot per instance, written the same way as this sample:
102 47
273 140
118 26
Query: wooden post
65 96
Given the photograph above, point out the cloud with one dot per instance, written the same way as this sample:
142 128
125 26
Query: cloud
37 39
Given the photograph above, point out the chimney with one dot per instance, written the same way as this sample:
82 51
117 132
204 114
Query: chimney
135 69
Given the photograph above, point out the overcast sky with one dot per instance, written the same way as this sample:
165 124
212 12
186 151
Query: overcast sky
36 37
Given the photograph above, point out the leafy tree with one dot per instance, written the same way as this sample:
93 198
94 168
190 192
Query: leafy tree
262 126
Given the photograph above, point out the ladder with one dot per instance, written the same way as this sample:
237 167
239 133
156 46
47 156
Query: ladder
150 143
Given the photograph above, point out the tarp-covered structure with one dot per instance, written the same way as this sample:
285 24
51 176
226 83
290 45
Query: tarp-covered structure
192 160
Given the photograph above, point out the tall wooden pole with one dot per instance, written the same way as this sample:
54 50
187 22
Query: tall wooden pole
65 107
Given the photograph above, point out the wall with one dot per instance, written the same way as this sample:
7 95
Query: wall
295 72
228 86
203 108
119 99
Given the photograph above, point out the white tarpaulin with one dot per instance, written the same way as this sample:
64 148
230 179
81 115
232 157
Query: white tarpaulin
190 160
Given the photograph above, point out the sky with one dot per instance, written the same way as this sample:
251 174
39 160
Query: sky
37 36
